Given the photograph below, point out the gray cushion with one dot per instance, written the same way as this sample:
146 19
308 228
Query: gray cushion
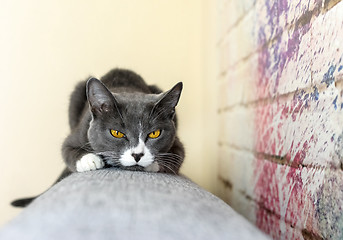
114 204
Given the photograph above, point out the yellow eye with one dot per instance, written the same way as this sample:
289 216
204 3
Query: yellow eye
117 134
155 134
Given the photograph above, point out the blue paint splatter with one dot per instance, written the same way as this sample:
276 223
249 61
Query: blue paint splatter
306 99
333 137
328 77
335 102
315 94
340 68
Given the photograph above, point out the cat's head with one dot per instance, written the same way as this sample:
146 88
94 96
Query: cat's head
133 130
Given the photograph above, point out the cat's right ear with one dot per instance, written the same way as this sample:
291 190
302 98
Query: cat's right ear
99 97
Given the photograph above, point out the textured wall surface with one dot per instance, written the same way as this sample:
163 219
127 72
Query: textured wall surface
281 114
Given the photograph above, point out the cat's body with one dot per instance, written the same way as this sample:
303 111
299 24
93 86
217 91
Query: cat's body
122 122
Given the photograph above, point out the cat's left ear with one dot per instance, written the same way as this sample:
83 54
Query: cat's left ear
169 100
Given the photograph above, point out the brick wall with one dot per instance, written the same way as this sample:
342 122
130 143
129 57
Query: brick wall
280 109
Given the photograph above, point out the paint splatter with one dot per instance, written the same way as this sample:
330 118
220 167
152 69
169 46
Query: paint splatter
329 207
335 103
294 131
315 94
328 77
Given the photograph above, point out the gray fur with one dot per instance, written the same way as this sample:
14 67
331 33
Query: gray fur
124 102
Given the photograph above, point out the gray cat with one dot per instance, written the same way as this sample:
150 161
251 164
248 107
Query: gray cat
121 122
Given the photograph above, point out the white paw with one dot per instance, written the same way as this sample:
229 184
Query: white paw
89 162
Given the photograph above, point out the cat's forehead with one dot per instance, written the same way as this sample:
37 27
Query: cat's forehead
136 107
136 98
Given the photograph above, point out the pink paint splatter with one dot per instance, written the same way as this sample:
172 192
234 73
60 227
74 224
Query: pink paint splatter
278 172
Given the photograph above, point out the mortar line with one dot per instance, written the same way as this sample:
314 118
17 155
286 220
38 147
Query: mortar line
280 97
280 160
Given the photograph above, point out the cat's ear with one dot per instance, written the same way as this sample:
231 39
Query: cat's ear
168 101
99 97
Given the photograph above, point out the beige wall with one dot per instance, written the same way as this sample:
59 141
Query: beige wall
47 46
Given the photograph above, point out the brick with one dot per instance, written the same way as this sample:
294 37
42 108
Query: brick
244 205
283 195
327 48
300 11
224 57
239 43
231 12
236 127
274 17
329 204
271 224
305 128
294 66
280 190
285 64
235 167
224 191
221 19
246 73
237 86
230 90
306 198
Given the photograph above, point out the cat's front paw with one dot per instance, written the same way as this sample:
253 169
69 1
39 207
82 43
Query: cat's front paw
89 162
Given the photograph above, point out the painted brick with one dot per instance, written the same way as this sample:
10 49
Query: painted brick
300 128
327 48
302 197
296 197
285 64
303 128
274 17
302 53
281 191
294 66
300 10
269 221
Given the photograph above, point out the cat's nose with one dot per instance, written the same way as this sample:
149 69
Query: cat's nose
137 156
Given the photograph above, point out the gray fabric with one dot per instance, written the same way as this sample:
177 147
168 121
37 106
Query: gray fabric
113 204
